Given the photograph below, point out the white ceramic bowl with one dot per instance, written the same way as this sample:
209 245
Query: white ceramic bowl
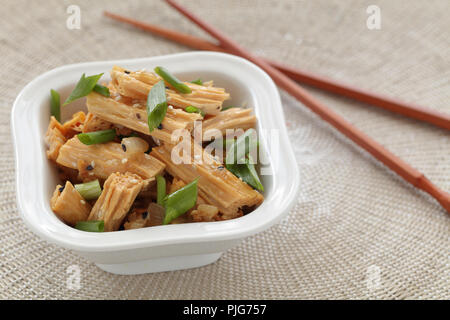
159 248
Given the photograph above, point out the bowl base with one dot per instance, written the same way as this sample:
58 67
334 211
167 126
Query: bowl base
160 264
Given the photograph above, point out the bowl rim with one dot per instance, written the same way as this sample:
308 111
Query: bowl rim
285 176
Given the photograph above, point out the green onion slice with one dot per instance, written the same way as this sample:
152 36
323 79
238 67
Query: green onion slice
104 91
90 226
55 105
84 86
192 109
89 190
198 81
156 105
172 80
179 202
255 181
247 173
160 189
228 107
243 145
96 137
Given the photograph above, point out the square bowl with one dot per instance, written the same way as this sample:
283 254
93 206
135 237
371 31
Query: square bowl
161 248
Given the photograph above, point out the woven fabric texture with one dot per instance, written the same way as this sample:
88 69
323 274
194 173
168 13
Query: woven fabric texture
357 231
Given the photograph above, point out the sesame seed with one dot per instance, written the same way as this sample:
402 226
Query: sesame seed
124 160
127 72
83 202
124 147
89 167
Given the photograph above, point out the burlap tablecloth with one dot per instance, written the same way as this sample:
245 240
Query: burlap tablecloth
357 230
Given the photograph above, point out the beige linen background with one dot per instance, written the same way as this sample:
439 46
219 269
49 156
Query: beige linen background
353 217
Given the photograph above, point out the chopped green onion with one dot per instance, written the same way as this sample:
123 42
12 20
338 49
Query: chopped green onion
84 86
90 226
242 146
96 137
156 105
55 105
228 107
172 80
160 189
192 109
102 90
179 202
247 173
198 81
227 143
240 150
89 190
254 178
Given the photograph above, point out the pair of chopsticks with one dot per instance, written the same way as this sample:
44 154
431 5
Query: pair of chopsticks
285 76
407 109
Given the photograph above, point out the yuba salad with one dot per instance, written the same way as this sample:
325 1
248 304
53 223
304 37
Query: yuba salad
151 150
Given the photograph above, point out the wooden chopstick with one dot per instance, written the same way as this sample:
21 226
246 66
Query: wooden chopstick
407 109
396 164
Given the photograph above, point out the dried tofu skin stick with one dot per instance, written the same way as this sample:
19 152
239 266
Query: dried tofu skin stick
107 158
54 138
209 83
135 117
119 192
205 213
137 85
95 123
234 118
218 186
138 218
57 133
85 171
74 125
69 205
176 185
